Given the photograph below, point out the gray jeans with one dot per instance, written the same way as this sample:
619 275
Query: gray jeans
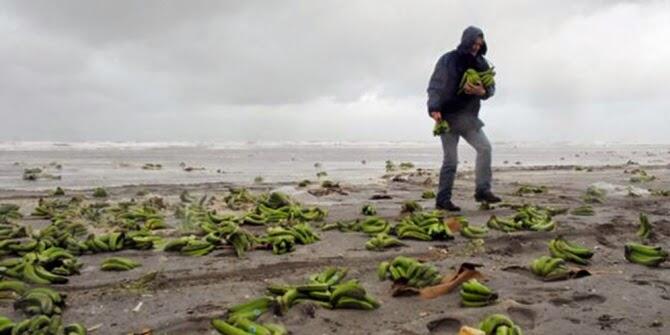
478 140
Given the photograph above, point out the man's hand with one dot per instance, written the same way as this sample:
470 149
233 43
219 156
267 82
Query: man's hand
437 116
477 90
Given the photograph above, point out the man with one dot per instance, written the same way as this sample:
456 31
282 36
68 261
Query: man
461 111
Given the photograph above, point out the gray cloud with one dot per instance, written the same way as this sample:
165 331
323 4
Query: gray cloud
128 70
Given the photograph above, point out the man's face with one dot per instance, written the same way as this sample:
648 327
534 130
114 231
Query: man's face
479 42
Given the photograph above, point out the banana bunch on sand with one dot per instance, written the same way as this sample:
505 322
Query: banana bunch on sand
472 77
118 264
475 294
645 254
645 230
527 217
326 289
425 226
382 241
560 248
550 268
9 212
51 266
409 271
499 324
470 231
373 225
40 324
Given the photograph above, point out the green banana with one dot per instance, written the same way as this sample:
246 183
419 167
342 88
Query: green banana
226 328
645 229
353 303
494 321
15 286
644 254
118 264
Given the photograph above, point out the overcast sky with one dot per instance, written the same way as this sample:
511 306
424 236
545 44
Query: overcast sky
326 70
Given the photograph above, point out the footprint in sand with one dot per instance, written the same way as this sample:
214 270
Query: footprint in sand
578 300
524 317
444 326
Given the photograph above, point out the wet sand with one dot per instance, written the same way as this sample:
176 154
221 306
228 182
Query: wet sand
618 298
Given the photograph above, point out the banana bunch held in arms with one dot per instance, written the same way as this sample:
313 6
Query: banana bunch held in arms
474 78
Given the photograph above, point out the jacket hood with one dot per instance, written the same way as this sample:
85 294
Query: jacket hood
468 38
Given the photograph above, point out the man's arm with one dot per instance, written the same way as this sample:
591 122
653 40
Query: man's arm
442 86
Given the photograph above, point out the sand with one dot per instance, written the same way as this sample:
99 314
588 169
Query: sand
618 298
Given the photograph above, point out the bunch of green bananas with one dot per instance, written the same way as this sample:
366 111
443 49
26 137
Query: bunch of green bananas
327 290
14 287
293 212
534 218
118 264
141 240
324 289
424 226
645 254
105 242
241 326
302 233
499 324
9 212
428 194
40 300
374 225
645 230
527 217
409 271
550 268
241 319
369 209
440 128
242 241
585 210
472 77
503 224
189 246
10 231
284 239
142 217
382 241
49 208
351 295
568 251
46 267
281 244
475 294
471 232
40 324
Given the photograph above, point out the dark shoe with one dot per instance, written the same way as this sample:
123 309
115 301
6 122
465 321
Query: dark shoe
487 197
448 206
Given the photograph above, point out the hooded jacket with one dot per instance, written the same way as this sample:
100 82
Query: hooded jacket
461 111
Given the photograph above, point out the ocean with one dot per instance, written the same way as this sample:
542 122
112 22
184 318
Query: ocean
92 164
